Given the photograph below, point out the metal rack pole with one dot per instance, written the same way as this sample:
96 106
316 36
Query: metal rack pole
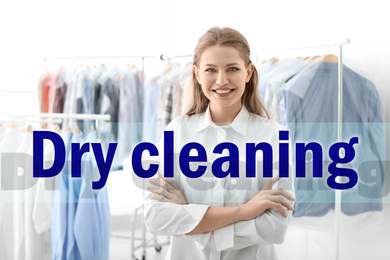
339 139
98 57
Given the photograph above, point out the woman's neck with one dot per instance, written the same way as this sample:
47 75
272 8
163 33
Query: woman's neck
224 115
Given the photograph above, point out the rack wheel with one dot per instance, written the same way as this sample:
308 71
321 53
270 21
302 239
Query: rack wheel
143 257
158 248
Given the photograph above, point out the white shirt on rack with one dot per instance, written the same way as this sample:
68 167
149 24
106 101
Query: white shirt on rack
251 239
9 144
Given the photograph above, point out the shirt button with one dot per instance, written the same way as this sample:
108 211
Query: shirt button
234 182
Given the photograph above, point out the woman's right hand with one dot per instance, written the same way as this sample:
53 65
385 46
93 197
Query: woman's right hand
267 198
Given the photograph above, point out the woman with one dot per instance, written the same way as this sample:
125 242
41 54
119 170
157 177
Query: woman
231 217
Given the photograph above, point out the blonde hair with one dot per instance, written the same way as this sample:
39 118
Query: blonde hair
226 37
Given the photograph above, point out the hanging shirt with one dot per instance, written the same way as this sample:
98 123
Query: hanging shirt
70 103
29 244
167 95
179 89
92 217
284 70
60 207
9 144
74 186
109 104
311 106
60 89
88 97
130 114
53 90
151 97
265 72
43 206
44 86
252 239
79 88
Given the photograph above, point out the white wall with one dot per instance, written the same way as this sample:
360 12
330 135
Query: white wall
31 30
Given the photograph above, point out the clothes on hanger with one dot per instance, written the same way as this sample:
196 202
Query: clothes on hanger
130 114
50 218
309 109
25 226
92 217
151 104
81 215
272 78
173 86
9 144
98 90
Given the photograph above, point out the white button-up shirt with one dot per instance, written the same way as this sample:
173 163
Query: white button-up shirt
252 239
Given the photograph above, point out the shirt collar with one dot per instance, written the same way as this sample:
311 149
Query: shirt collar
239 123
300 84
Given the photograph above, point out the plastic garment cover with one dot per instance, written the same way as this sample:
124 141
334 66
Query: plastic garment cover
92 216
130 113
81 215
309 109
60 206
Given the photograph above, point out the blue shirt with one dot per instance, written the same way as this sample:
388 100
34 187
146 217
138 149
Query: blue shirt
59 227
92 218
72 249
271 82
311 114
151 100
130 114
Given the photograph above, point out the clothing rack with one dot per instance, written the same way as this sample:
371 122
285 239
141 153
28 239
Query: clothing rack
339 124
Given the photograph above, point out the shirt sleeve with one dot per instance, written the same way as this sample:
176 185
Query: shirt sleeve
268 228
165 218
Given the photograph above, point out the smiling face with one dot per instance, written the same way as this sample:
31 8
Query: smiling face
223 75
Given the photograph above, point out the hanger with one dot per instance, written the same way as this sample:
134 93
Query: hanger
167 69
133 67
57 128
92 129
28 129
273 61
76 130
315 57
330 58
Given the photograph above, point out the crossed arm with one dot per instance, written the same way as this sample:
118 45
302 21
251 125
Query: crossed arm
218 217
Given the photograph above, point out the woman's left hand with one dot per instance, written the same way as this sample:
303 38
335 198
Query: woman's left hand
168 190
